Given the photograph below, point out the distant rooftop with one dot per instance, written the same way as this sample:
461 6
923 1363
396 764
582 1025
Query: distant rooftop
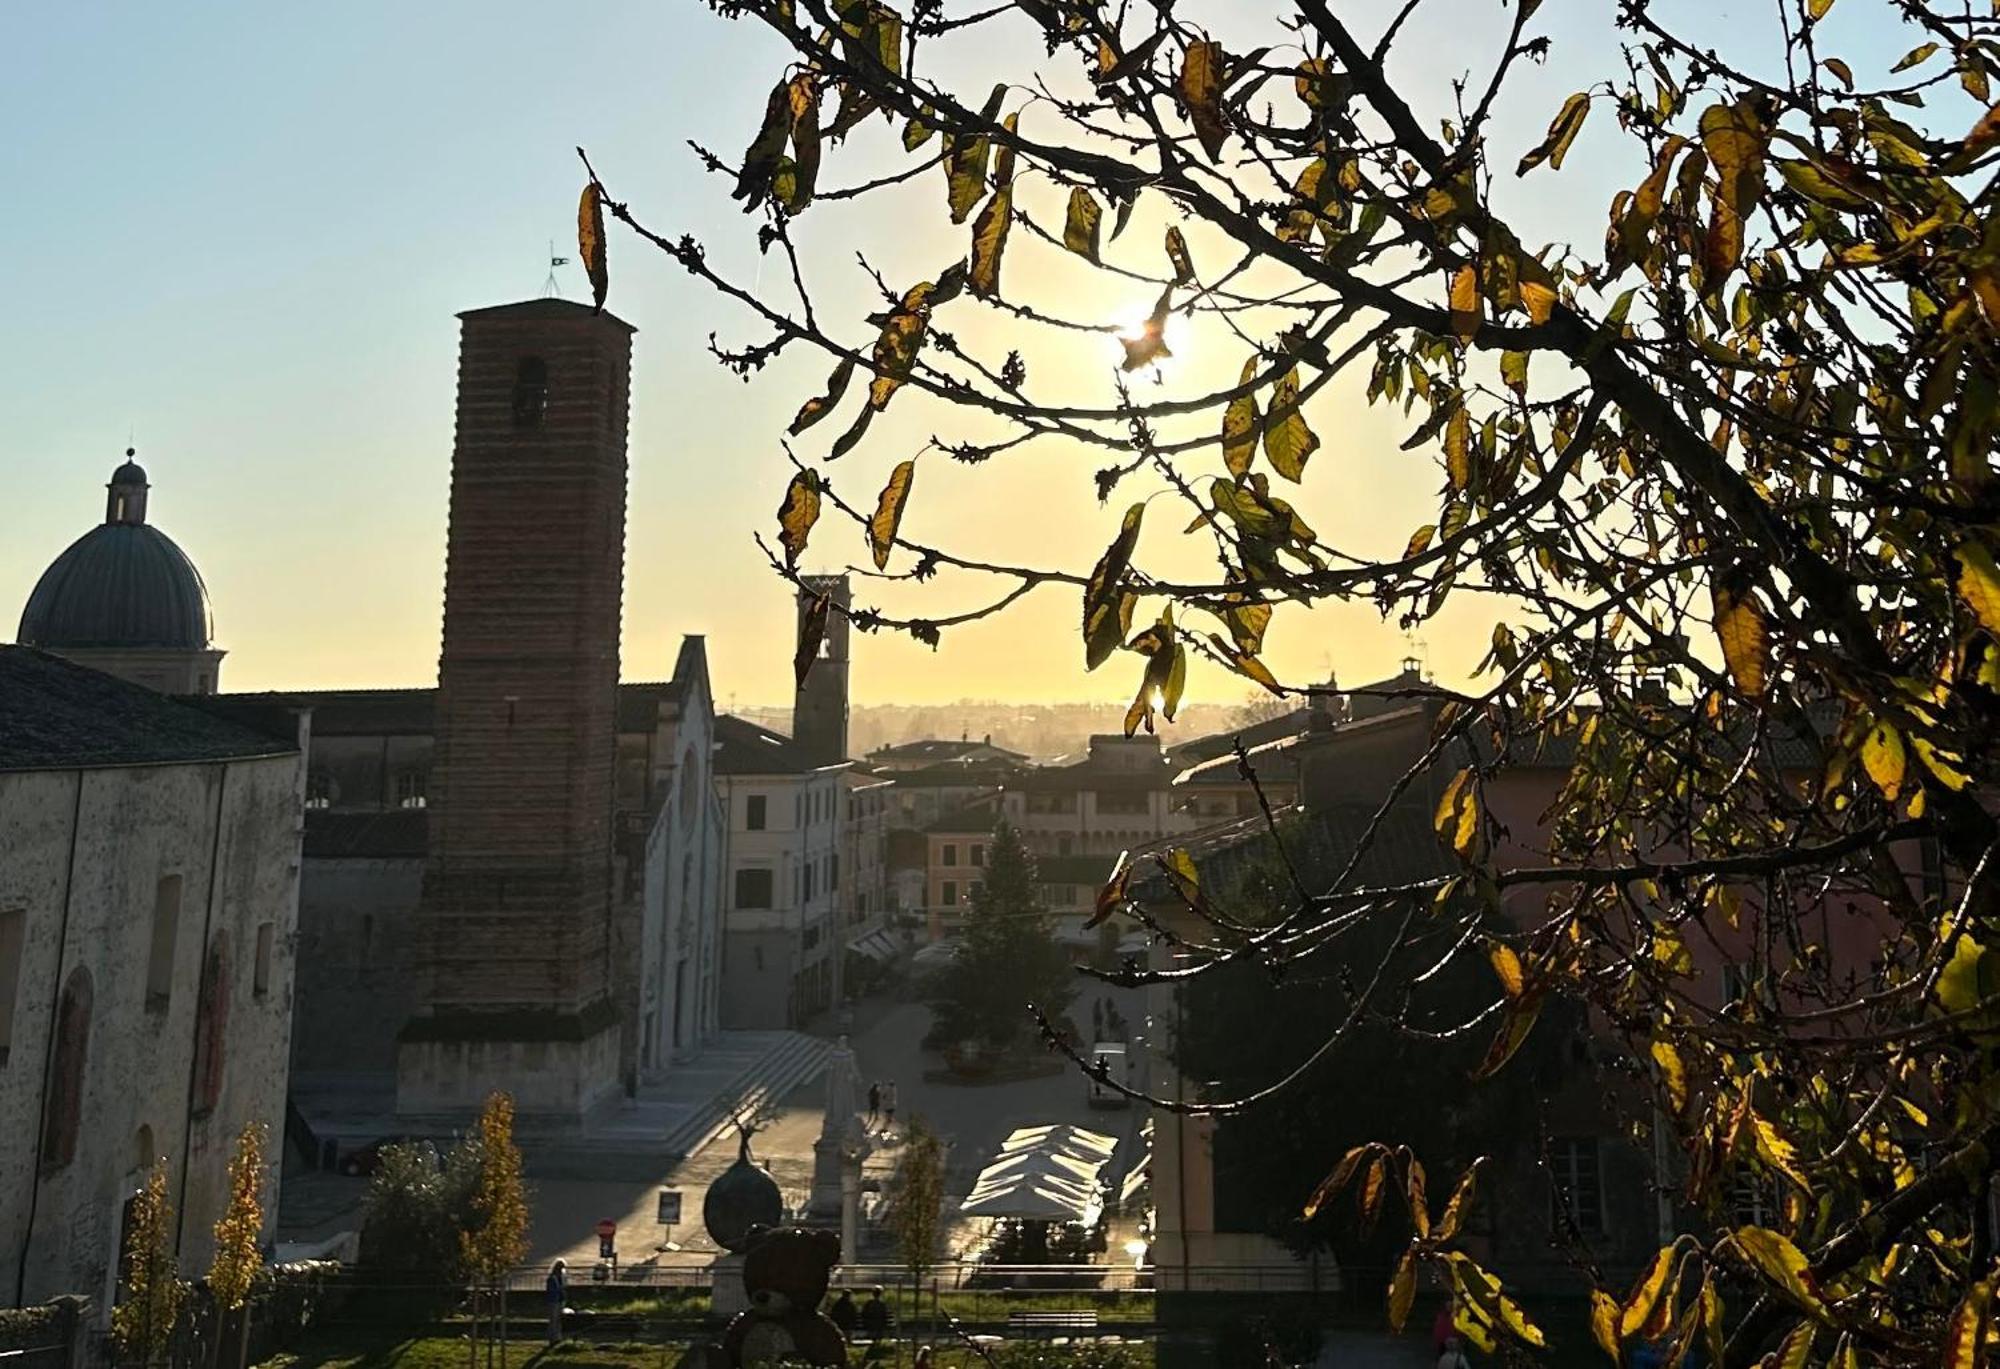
744 748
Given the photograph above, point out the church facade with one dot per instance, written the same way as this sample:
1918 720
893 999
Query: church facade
148 899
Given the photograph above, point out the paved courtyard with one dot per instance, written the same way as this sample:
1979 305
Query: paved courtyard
887 1042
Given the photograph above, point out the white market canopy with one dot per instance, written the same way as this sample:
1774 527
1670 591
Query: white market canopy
1063 1139
1033 1199
1044 1174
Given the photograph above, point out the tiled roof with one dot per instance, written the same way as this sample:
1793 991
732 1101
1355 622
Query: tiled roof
743 748
56 715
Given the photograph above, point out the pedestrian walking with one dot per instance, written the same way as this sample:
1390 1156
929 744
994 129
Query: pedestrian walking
844 1313
923 1359
557 1289
874 1103
1453 1357
875 1317
889 1105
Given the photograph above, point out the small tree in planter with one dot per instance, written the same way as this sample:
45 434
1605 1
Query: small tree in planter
239 1256
142 1324
498 1238
915 1217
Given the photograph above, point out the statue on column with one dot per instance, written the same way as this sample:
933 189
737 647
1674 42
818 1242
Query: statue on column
842 1144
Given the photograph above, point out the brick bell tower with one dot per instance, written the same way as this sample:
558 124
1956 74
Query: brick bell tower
515 919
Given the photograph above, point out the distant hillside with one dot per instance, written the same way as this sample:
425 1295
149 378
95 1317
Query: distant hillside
1043 731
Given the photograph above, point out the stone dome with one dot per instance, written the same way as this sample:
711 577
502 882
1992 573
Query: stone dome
122 584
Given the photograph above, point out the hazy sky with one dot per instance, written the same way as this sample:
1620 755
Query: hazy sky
240 232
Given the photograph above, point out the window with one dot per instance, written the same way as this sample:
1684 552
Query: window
833 873
1123 803
1051 803
531 392
753 888
810 939
753 813
13 927
950 894
166 937
809 880
978 857
260 983
410 786
951 853
1063 844
62 1113
1575 1183
319 790
798 810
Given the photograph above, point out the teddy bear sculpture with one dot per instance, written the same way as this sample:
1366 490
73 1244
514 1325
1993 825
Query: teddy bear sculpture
785 1272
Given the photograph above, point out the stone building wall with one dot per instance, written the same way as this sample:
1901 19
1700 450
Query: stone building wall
95 860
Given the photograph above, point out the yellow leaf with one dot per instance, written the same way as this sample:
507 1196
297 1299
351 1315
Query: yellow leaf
590 241
889 512
1796 1348
1458 448
1457 817
1782 1264
1110 898
1466 307
1288 441
1080 225
1539 299
1882 756
1403 1289
1604 1322
1515 1024
1645 1294
1201 93
1107 606
1745 637
1562 132
818 407
1371 1188
1985 133
1177 253
1239 425
1460 1204
1672 1072
1507 969
1777 1152
1965 1335
989 241
1335 1181
1420 1211
1979 584
797 514
896 348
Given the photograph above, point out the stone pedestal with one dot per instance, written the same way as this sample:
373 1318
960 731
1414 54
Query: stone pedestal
556 1065
727 1295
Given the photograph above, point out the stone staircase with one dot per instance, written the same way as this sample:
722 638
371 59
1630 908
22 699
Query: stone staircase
740 1073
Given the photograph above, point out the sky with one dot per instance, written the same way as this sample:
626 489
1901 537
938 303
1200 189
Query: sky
241 232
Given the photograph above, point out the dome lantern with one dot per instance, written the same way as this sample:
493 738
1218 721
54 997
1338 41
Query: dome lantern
126 502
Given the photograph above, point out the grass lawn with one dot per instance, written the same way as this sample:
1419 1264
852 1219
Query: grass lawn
353 1351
